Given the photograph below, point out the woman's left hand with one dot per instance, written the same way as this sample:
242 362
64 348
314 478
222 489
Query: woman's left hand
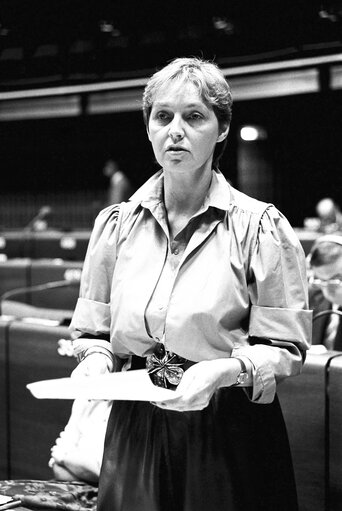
199 383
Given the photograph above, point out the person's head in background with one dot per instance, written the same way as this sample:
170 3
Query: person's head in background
210 84
110 167
326 267
327 210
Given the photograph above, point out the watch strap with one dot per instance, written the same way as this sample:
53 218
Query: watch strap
243 374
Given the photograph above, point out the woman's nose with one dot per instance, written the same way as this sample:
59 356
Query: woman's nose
176 131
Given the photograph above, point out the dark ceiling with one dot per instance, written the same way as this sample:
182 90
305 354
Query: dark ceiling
45 42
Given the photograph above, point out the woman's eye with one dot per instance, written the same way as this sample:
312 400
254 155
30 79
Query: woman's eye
162 116
195 116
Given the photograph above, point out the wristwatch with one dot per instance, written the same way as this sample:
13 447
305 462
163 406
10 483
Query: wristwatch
242 377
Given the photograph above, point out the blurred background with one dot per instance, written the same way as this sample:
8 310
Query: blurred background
72 74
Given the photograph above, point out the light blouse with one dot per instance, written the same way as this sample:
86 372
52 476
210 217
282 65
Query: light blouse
232 283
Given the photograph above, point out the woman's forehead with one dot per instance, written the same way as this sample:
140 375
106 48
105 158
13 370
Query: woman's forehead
175 91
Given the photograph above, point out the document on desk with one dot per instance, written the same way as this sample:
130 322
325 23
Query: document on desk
127 385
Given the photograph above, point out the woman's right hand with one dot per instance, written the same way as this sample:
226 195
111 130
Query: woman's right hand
94 364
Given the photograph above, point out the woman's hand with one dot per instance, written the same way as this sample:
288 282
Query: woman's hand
199 383
94 364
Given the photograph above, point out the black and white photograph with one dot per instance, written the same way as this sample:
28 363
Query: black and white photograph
171 255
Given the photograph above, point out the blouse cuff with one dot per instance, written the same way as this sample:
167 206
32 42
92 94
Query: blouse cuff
80 345
264 383
91 316
294 325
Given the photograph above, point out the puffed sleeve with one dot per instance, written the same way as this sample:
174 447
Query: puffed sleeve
280 322
90 324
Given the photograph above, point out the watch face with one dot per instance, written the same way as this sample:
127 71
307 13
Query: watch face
242 378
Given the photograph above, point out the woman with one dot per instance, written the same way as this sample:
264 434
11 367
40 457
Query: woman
205 287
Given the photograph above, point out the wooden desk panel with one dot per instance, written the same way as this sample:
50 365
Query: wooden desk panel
303 402
35 424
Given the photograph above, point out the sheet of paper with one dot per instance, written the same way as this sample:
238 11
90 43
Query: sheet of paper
127 385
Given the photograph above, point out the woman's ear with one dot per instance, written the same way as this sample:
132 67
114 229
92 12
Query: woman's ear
224 133
148 133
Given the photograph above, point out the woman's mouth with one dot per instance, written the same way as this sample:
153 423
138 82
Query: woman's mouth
175 149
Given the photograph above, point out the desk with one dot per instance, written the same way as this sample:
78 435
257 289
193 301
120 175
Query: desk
17 273
65 245
302 400
335 432
29 426
35 424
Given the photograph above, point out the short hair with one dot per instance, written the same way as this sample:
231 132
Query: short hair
208 79
325 252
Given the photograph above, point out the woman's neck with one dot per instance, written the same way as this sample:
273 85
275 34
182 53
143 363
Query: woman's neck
184 194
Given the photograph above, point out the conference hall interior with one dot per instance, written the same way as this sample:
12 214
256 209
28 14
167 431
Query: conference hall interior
72 75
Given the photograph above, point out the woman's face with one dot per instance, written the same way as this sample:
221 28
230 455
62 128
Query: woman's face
183 129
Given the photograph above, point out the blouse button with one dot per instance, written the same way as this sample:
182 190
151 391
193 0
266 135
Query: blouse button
175 251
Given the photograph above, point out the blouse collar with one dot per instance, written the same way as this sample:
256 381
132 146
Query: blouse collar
151 192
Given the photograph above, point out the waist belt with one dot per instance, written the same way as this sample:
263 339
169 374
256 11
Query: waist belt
164 367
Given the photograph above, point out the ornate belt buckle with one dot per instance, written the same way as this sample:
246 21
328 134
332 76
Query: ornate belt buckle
165 367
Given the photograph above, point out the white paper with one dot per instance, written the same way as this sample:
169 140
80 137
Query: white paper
127 385
4 499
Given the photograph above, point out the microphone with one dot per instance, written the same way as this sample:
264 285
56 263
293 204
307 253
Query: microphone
72 277
38 221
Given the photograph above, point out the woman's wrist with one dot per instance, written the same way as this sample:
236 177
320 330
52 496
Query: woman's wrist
232 373
97 350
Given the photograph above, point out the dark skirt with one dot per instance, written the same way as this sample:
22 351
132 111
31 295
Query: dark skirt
233 455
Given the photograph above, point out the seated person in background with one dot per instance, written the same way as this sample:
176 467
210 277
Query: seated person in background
325 291
77 453
329 214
